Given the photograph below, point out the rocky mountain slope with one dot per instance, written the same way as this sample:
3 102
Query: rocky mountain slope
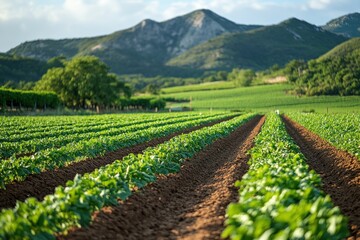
347 25
142 48
193 43
260 48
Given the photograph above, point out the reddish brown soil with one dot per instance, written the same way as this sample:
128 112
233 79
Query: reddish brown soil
187 205
40 185
340 172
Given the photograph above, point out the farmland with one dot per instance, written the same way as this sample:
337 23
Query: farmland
288 203
191 127
200 87
342 130
265 98
172 175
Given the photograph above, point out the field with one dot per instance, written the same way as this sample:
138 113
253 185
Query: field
172 175
265 98
200 87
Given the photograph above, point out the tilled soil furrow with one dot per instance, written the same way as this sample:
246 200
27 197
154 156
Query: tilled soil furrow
187 205
40 185
339 171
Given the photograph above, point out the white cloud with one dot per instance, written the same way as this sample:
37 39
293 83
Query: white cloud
81 10
241 7
319 4
84 11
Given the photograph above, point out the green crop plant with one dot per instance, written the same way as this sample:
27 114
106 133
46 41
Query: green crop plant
74 204
341 130
51 158
279 197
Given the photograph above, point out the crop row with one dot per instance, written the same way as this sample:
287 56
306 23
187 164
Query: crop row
18 168
73 205
50 131
341 130
41 121
38 125
38 122
279 197
57 140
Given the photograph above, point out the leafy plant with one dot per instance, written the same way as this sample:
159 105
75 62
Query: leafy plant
24 143
73 205
279 197
51 158
341 130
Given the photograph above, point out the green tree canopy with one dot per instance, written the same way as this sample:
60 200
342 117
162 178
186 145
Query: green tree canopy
152 89
338 75
242 77
83 82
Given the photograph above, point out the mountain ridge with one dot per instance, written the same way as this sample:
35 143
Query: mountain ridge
151 29
261 48
347 25
154 48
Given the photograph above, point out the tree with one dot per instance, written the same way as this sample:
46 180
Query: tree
274 68
23 85
221 75
152 89
294 69
242 77
157 103
56 62
338 75
82 82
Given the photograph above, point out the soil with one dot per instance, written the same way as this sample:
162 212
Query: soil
339 170
189 204
40 185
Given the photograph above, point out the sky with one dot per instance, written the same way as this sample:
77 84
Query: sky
27 20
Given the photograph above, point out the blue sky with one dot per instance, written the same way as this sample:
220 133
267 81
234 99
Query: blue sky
26 20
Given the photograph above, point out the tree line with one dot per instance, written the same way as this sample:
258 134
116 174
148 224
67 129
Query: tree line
86 83
20 100
81 83
336 75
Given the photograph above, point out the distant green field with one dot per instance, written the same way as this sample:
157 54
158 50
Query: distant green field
265 98
200 87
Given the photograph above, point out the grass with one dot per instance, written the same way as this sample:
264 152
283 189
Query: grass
200 87
265 98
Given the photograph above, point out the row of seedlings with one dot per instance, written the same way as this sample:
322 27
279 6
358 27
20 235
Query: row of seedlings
279 197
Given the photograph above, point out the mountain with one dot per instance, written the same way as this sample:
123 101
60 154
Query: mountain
143 48
188 45
260 48
347 25
349 47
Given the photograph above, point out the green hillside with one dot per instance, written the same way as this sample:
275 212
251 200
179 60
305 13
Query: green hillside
343 49
335 73
200 87
260 48
14 68
265 98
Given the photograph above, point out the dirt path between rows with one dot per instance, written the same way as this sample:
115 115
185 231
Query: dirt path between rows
339 171
40 185
190 204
